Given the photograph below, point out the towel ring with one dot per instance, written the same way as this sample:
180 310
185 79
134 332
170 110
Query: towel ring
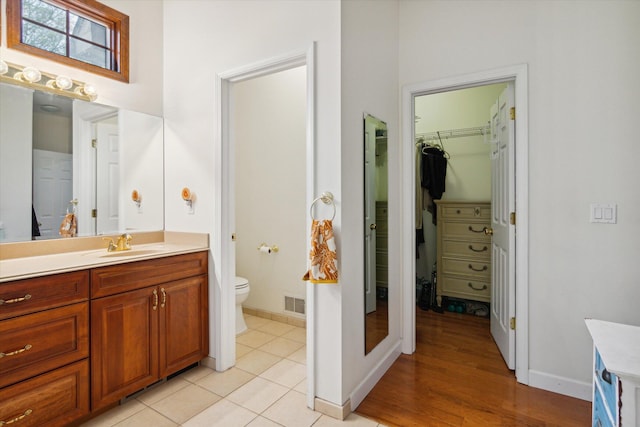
327 199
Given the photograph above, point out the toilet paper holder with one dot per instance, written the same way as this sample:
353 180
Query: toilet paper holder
267 249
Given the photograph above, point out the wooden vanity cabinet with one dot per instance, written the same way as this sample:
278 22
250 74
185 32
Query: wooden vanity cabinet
44 350
149 320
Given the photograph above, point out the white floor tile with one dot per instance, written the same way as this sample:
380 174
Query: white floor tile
254 339
222 414
194 374
146 417
260 421
275 328
241 350
161 391
286 373
297 334
291 411
256 362
223 383
299 356
258 394
116 414
254 322
185 403
301 387
281 347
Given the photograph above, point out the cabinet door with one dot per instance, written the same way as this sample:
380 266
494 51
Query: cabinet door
124 344
184 331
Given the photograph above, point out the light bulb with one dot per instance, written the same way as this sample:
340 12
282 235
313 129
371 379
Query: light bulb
64 82
31 74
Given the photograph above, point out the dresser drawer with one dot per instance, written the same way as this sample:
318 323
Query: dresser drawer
53 399
466 211
36 343
136 275
465 231
30 295
469 267
478 250
462 288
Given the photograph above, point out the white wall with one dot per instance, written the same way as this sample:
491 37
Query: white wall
232 34
144 90
369 85
583 63
270 172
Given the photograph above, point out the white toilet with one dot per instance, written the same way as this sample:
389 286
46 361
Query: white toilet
242 293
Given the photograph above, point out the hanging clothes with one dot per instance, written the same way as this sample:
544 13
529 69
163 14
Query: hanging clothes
433 175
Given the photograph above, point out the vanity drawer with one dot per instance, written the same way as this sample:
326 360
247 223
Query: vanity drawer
467 267
53 399
466 211
141 274
37 343
30 295
463 288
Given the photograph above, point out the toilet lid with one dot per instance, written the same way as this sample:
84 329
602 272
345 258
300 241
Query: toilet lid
241 282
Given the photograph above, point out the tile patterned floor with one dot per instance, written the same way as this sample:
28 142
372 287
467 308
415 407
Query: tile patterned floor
266 388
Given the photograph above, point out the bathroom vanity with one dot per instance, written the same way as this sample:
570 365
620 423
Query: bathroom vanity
74 342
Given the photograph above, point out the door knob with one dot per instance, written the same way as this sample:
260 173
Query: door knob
373 226
488 231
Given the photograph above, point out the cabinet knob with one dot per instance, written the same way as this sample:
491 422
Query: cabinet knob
488 231
373 226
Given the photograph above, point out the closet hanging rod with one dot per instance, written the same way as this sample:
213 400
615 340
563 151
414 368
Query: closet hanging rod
455 133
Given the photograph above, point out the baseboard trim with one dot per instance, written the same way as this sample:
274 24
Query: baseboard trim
561 385
331 409
209 362
278 317
362 389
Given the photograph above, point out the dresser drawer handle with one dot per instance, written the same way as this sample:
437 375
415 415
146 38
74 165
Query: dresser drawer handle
12 301
18 418
155 299
484 268
13 353
484 249
484 287
473 230
164 298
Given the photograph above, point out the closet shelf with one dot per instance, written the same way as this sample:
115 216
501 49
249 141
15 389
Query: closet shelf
454 133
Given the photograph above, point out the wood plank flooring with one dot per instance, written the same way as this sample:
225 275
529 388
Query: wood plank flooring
457 377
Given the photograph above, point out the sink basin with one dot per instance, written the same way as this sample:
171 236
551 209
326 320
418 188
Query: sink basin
130 252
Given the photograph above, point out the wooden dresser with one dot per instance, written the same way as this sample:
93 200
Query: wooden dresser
464 250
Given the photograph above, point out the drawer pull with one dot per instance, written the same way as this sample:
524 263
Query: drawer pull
12 301
484 287
484 268
155 299
18 418
13 353
484 249
473 230
164 298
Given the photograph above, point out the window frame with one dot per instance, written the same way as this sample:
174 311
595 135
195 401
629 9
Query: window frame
114 20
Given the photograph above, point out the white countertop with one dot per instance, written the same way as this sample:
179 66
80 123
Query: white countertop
53 263
619 347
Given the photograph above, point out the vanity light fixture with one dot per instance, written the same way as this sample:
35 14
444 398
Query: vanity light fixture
32 78
28 74
60 82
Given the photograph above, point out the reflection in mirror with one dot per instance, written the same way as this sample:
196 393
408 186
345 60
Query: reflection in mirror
61 156
375 232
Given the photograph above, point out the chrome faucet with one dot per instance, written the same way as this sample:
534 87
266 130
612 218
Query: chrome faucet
123 243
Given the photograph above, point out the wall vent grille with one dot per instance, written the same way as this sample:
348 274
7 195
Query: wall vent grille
294 305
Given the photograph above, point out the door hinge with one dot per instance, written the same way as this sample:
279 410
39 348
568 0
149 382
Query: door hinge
512 323
94 143
94 213
512 218
512 113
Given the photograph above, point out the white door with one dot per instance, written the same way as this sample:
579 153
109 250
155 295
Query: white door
52 190
370 215
107 178
503 243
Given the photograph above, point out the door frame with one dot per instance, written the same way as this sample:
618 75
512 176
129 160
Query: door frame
519 75
223 244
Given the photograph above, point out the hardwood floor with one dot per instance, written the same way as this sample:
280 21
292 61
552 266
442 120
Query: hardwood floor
457 377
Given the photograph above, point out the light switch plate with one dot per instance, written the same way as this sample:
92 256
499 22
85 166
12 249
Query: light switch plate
605 213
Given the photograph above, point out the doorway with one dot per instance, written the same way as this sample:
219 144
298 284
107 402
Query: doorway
518 75
225 245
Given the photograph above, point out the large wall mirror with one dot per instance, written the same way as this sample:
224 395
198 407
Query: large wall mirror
376 246
60 155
